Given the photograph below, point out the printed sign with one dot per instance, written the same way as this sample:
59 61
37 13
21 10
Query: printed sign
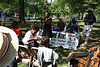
66 40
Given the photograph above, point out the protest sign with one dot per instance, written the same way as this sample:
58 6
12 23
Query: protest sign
66 40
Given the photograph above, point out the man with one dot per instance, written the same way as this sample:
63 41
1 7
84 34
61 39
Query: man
31 36
73 27
89 20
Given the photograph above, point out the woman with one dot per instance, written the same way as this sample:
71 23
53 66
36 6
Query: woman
18 32
47 25
61 24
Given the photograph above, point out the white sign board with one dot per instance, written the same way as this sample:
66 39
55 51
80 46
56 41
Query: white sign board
66 40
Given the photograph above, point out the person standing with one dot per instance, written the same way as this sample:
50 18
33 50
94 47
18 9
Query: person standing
47 25
89 19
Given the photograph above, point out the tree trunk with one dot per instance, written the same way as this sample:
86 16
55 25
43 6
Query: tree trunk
21 11
43 9
50 2
46 5
82 16
58 15
79 15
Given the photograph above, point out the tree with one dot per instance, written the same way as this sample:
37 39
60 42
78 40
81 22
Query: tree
21 11
76 6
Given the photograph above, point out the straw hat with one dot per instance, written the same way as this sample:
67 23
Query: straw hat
8 46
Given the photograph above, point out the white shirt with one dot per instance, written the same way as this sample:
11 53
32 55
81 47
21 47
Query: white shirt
47 55
27 37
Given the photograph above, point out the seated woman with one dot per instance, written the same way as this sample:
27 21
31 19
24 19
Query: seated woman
15 27
60 25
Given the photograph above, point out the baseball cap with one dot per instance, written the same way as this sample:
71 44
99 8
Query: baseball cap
90 9
73 17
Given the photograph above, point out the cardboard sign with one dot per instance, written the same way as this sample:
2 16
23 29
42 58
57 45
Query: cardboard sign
66 40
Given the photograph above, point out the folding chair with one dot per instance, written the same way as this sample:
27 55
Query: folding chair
30 52
86 59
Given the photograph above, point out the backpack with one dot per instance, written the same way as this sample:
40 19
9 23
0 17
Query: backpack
86 59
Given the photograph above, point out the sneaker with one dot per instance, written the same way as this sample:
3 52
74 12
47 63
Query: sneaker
85 42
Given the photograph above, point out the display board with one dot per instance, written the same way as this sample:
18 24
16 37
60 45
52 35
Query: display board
66 40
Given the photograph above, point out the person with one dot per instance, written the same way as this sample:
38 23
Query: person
3 23
15 27
61 24
66 25
8 47
31 40
46 57
3 16
47 25
73 27
31 37
89 19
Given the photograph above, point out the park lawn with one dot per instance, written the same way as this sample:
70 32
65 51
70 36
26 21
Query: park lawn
63 53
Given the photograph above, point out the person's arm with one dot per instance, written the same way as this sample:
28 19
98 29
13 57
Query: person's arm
19 32
67 27
35 38
85 19
94 19
26 38
48 22
77 28
55 57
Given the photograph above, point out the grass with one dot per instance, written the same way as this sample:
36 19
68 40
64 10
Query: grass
63 53
22 65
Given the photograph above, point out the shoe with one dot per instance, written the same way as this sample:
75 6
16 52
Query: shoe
85 42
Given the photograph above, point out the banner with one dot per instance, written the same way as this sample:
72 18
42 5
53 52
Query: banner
66 40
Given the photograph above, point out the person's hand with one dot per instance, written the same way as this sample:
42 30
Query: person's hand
89 20
44 18
36 38
18 35
43 24
85 20
40 42
64 31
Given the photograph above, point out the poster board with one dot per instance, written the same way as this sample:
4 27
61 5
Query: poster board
66 40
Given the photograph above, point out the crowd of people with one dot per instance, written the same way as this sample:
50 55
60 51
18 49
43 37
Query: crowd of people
45 55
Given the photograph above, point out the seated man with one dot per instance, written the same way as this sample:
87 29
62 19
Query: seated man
31 37
61 24
46 56
73 27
